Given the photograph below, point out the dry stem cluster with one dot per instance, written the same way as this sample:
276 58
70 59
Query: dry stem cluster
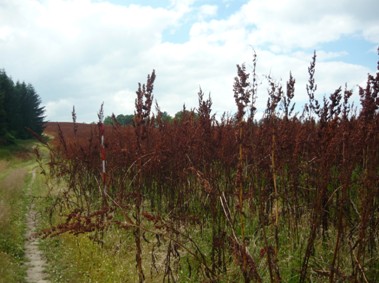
246 186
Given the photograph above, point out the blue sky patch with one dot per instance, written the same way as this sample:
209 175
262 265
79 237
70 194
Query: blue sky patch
359 51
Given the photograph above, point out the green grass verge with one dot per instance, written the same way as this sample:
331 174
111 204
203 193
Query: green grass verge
79 259
15 162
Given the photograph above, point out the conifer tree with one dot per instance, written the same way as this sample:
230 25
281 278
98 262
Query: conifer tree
20 110
32 114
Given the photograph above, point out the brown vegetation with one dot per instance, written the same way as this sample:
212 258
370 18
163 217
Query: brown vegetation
247 187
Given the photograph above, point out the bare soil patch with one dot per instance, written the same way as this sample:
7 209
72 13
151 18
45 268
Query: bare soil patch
36 262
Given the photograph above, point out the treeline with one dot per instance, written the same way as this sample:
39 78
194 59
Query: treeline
20 110
127 120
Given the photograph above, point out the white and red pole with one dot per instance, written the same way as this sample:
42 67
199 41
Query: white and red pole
102 150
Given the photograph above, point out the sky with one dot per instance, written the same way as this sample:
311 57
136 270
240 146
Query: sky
85 52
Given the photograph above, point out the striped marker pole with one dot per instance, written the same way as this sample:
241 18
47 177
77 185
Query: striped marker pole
102 150
103 158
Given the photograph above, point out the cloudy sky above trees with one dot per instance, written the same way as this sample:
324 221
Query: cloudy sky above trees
85 52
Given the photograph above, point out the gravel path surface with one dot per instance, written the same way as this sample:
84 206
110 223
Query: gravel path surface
36 263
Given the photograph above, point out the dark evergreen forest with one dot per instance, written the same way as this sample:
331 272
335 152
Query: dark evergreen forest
20 110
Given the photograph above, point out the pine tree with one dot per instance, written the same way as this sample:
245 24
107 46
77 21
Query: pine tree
3 124
20 110
32 114
6 89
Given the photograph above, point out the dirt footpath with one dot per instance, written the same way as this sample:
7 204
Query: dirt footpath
36 264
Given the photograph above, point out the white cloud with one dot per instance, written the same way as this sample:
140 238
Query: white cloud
122 101
59 109
84 52
206 11
304 24
371 33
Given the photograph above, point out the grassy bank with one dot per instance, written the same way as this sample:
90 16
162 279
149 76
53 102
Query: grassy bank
71 258
15 164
